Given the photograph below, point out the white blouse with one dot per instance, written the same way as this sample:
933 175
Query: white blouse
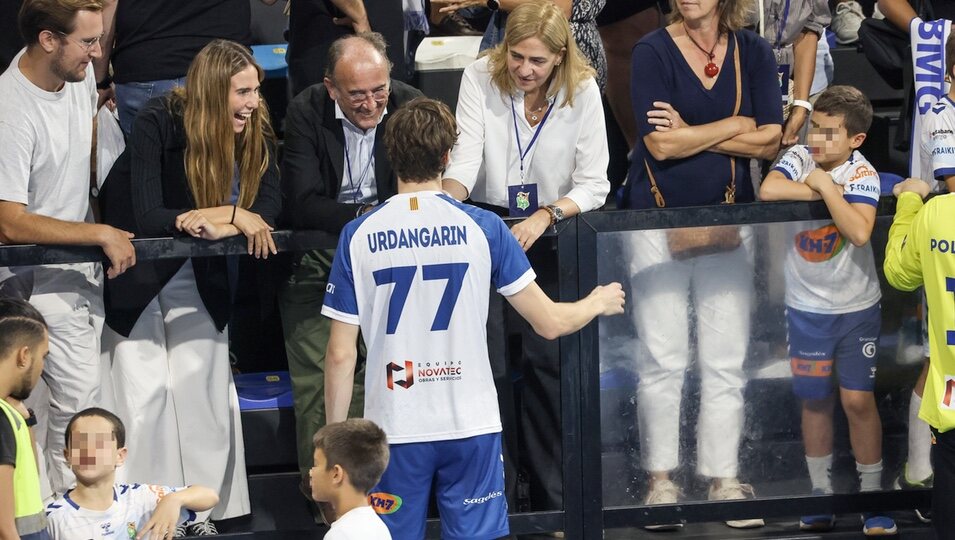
569 158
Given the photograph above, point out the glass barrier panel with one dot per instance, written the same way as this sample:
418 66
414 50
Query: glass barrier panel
744 349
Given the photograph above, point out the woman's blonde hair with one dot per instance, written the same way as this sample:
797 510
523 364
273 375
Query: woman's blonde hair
734 14
212 147
541 19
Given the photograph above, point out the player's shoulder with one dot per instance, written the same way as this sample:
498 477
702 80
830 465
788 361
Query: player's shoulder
941 109
860 168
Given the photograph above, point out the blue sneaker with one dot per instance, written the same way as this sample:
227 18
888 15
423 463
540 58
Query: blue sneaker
876 525
820 522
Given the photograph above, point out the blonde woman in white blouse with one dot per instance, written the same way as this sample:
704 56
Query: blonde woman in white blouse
532 95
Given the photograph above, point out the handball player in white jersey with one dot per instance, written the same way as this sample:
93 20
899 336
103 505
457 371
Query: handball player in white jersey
412 276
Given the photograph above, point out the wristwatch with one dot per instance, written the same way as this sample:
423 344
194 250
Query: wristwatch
105 83
556 214
493 5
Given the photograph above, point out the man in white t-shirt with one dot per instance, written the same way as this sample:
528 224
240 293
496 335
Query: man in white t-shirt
413 276
46 128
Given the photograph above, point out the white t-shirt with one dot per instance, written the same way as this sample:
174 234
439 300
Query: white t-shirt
360 523
937 145
46 139
569 158
45 144
414 274
132 507
825 273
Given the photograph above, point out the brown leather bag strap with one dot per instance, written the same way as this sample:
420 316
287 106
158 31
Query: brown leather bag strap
657 194
730 196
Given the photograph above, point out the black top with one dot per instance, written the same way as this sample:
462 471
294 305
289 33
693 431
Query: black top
312 30
144 192
314 157
8 442
157 39
10 40
661 73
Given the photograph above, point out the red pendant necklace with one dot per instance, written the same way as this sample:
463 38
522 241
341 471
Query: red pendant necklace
711 69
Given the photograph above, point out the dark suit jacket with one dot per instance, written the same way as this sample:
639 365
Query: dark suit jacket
314 159
144 192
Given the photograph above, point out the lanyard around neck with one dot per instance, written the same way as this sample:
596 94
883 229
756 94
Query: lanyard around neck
517 133
356 191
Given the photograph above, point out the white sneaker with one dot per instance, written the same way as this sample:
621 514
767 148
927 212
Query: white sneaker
663 492
846 22
731 490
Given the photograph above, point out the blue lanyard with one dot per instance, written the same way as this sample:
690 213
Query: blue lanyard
782 24
364 173
517 134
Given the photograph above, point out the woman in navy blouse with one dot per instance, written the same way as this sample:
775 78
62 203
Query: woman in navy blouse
706 100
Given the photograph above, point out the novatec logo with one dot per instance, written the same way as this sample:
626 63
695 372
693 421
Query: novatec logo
409 374
484 499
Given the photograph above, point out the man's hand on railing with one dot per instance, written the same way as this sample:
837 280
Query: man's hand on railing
118 249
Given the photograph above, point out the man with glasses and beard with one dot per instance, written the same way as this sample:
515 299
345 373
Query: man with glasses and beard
46 133
335 168
23 347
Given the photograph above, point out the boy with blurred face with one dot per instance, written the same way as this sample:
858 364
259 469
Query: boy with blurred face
98 508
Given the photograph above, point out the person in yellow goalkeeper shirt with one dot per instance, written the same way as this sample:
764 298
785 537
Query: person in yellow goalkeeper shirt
921 251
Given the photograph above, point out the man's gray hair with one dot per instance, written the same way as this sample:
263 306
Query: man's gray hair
338 47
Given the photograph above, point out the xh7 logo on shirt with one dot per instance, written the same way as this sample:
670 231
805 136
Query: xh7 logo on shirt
392 367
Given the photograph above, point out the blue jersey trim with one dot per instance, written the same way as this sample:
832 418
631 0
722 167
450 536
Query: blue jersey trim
861 199
784 171
946 171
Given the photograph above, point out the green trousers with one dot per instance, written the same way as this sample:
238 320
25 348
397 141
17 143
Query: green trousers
306 333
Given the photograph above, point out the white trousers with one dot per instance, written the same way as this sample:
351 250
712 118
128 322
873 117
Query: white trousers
718 288
70 298
174 391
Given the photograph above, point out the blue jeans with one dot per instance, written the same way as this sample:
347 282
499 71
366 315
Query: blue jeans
132 96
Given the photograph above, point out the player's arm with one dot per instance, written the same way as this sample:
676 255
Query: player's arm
8 525
776 187
18 226
949 183
902 265
168 512
340 359
854 220
552 320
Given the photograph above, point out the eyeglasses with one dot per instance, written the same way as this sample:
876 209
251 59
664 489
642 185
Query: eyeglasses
86 44
358 97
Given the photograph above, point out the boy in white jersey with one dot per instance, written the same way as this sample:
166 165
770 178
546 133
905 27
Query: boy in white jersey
99 509
413 276
832 292
349 458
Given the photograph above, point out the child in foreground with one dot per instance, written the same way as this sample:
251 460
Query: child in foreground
99 509
350 458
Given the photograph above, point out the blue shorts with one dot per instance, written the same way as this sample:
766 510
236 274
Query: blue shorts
468 478
846 344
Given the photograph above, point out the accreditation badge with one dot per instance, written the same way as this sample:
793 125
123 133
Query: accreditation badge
784 81
522 200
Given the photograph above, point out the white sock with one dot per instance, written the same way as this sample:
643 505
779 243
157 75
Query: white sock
870 476
919 465
820 469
